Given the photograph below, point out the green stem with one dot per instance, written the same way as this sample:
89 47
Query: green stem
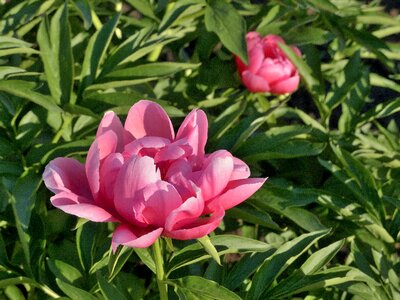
159 261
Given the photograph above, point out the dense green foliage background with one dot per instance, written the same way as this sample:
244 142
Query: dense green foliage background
326 224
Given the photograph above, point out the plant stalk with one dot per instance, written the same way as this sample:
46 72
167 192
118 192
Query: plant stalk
160 274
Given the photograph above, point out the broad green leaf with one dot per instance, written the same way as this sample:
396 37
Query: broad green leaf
280 260
24 194
85 244
95 51
179 9
73 292
351 75
247 265
252 215
299 283
382 110
324 5
223 243
311 81
144 7
209 247
54 40
320 258
150 70
281 142
195 287
119 83
222 19
117 261
64 271
109 291
84 9
146 257
24 89
356 170
308 35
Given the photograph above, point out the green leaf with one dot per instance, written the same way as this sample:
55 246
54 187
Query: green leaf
351 75
144 7
146 257
280 260
157 69
54 40
247 265
64 271
209 247
225 21
223 243
382 110
308 35
324 5
281 142
24 89
84 9
299 283
180 8
117 261
109 291
95 52
311 80
85 244
377 80
73 292
24 195
195 287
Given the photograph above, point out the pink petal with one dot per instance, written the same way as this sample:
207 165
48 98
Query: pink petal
81 207
195 130
145 146
256 58
108 175
199 228
66 175
252 38
236 192
286 86
111 122
240 169
134 237
103 146
185 214
255 83
134 175
272 73
216 174
146 118
160 199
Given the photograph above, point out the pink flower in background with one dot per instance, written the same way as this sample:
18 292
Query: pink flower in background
149 180
269 70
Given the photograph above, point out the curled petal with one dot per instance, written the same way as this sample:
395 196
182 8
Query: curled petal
66 175
134 237
146 146
255 83
185 214
236 192
240 169
103 146
146 118
194 129
160 199
286 86
111 122
81 207
136 173
216 174
198 228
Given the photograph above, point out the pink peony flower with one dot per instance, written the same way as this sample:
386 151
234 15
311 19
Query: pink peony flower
269 69
150 181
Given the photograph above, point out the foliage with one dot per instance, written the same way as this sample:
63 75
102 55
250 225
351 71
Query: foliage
325 226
